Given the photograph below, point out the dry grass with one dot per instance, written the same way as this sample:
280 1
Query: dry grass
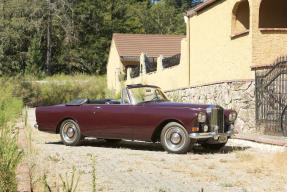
55 158
226 184
212 166
223 161
265 165
243 156
279 160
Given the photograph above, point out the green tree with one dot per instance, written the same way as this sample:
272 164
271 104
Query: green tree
17 29
34 63
162 19
91 29
81 31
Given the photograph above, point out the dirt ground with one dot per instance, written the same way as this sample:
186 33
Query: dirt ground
138 166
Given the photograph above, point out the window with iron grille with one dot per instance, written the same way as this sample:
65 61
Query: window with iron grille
151 64
171 61
135 71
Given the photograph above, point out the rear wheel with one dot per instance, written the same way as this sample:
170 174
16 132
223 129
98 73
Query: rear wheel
175 139
70 133
284 121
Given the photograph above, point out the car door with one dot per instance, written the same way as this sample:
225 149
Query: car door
144 120
109 120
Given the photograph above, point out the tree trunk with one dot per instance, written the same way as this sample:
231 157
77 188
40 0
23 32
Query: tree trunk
49 42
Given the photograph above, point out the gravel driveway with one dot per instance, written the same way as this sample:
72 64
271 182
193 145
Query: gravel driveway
138 166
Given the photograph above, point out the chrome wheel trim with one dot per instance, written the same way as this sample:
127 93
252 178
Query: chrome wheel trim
174 138
69 132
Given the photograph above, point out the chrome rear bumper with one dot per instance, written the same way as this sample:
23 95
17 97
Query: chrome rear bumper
36 125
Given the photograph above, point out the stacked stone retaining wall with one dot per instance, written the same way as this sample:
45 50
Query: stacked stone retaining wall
236 95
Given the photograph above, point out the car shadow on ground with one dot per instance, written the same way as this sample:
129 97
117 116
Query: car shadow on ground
124 144
148 146
224 150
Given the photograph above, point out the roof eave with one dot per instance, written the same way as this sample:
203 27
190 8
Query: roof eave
193 11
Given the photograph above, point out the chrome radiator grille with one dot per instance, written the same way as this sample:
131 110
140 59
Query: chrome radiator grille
217 119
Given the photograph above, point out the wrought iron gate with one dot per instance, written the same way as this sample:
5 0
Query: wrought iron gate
271 97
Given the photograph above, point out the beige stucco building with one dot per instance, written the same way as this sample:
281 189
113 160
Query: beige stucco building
225 40
137 58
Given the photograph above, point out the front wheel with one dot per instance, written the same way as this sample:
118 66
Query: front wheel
175 139
70 133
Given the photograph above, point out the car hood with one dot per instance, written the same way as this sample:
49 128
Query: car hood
169 104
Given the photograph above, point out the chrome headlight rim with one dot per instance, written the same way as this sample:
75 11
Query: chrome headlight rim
232 116
201 117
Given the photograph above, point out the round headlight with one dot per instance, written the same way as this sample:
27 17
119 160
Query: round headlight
232 116
205 128
201 117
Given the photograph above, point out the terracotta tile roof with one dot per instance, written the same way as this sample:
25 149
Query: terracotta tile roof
153 45
200 7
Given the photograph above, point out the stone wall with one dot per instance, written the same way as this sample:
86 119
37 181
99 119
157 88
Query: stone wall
236 95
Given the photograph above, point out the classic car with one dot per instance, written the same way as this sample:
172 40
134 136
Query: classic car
143 113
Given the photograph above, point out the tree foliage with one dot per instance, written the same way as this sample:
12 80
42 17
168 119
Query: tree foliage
34 62
81 31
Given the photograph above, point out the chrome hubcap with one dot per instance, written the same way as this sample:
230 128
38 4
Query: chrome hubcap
70 132
175 138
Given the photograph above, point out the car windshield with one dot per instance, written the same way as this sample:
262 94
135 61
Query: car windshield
147 94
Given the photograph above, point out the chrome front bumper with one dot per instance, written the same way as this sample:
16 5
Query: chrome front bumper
210 135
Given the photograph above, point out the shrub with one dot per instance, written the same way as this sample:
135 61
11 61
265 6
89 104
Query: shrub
10 155
10 106
60 89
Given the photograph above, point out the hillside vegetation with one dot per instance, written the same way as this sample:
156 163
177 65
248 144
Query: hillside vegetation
60 89
41 37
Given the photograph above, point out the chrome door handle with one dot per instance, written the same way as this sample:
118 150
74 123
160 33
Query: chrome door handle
96 108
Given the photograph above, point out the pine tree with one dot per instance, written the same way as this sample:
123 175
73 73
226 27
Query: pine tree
162 18
34 63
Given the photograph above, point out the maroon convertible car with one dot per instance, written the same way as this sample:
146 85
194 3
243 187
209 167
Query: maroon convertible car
143 113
